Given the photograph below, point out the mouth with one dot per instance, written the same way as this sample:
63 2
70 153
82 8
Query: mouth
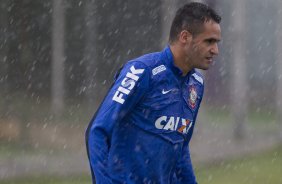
209 59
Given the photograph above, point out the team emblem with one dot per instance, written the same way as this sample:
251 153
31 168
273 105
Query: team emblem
192 97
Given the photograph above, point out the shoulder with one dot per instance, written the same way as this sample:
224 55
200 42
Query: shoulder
198 77
144 66
152 62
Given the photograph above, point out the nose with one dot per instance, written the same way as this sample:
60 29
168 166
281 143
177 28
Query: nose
214 49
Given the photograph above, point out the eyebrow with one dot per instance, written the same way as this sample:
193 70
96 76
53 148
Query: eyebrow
213 39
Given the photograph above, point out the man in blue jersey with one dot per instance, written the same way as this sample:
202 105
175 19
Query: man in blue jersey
141 132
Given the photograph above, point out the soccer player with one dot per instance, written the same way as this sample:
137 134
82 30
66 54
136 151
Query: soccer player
141 131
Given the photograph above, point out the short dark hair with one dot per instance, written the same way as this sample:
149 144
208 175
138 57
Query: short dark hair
191 17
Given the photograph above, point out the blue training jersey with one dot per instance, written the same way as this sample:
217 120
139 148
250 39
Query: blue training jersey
141 131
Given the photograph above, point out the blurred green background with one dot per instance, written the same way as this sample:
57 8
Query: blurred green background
58 59
264 168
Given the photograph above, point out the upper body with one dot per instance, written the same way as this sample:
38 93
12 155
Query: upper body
141 132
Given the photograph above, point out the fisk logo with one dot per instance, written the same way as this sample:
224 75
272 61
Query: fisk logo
173 123
127 84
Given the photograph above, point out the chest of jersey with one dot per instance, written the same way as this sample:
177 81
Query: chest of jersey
171 104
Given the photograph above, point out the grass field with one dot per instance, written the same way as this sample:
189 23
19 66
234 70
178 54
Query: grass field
50 180
264 168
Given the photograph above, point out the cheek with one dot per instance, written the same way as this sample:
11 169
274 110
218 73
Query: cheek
198 49
201 51
197 52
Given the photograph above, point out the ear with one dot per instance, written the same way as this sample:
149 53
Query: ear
185 36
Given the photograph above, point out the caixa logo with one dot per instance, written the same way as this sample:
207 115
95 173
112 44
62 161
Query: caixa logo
127 84
174 123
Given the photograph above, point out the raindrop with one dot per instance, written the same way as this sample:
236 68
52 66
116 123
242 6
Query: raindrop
28 125
44 126
137 148
210 177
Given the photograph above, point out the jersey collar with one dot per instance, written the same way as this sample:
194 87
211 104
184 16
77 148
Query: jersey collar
170 63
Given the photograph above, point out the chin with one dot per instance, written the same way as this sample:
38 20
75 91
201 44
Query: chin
203 67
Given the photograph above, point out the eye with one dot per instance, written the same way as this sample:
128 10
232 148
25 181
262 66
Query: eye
212 41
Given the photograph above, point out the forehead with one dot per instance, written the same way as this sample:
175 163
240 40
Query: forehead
210 29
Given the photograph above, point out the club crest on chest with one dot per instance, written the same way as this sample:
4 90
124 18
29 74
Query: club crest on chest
193 95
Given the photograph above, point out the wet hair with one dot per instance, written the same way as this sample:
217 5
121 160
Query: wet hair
191 17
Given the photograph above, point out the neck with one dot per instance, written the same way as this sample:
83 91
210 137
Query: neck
180 60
